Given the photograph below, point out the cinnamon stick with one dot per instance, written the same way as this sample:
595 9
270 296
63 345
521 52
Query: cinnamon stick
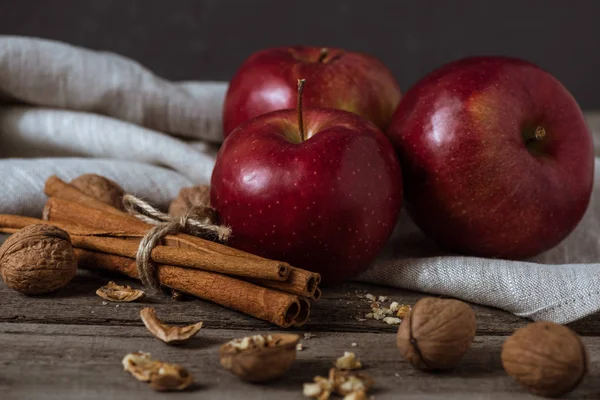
71 205
56 187
300 281
280 308
127 247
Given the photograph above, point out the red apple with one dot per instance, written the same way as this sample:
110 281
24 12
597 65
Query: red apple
338 79
496 155
323 194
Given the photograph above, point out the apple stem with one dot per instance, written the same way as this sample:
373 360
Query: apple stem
299 108
324 54
540 133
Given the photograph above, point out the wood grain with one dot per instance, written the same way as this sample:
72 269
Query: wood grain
83 362
337 310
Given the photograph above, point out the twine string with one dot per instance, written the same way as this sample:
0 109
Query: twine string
166 224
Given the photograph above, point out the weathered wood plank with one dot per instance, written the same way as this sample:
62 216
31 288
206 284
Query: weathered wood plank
75 362
337 311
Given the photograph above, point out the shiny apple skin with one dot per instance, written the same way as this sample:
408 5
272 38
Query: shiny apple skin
267 81
327 204
471 183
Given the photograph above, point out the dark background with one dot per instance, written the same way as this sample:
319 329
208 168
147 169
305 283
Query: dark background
208 39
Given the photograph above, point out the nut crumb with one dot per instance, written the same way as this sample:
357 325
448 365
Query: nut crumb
392 320
348 361
104 303
391 314
397 375
402 311
299 347
354 344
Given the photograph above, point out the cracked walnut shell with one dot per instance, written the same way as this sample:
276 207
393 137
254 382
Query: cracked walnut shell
436 333
546 358
38 259
259 358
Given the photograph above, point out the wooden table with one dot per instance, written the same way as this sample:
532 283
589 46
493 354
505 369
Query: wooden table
69 345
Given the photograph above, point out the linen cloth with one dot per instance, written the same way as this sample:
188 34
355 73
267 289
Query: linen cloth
66 111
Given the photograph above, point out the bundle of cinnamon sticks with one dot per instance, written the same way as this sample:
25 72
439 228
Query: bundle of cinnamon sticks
108 239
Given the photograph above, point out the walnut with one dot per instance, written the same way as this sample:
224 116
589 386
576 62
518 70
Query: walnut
118 293
436 333
259 358
195 202
166 333
547 358
37 259
161 376
100 188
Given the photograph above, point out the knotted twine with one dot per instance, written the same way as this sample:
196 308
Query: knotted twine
165 224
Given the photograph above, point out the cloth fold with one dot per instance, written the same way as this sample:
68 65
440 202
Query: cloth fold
67 111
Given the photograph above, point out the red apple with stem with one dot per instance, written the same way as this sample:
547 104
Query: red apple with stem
496 156
338 79
319 188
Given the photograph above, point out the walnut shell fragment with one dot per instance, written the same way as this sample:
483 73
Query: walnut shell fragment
167 333
161 376
547 358
436 333
118 293
38 259
259 358
100 188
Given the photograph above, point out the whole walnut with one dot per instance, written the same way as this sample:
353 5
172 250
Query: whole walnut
436 333
193 201
100 188
547 358
37 259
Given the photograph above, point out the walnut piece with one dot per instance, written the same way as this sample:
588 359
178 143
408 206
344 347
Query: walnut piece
353 386
259 358
119 293
37 259
359 395
348 361
161 376
167 333
100 188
